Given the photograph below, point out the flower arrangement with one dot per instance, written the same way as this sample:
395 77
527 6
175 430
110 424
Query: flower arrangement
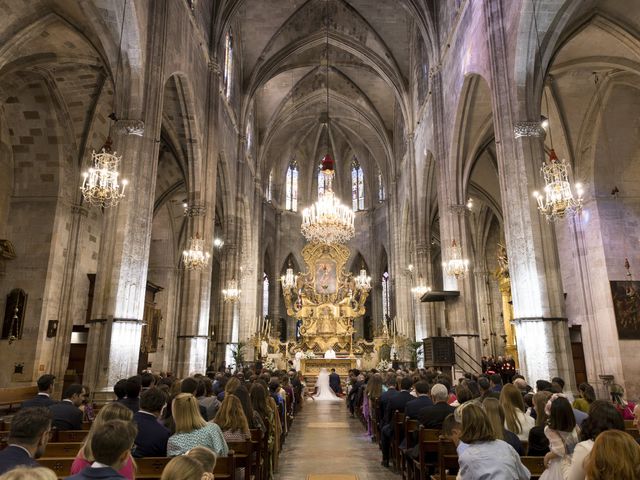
309 354
384 365
269 364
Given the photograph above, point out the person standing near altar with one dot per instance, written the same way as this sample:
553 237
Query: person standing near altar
334 382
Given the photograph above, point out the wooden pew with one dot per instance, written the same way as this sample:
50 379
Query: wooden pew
447 459
243 453
398 427
535 466
428 440
226 467
14 396
150 467
61 466
71 435
260 448
411 427
62 449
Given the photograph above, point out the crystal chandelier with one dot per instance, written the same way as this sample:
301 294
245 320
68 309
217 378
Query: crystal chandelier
456 266
558 199
288 279
328 220
100 186
420 289
232 292
195 258
363 281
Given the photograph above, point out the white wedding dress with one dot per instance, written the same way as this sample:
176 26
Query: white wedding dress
323 390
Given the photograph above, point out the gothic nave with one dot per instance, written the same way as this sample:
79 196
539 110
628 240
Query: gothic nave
437 116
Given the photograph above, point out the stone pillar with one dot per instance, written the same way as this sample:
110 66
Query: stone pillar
116 321
195 296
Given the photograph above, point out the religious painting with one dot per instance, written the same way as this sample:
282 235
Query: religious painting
626 304
326 277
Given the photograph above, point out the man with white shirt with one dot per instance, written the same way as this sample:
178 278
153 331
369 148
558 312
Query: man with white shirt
152 437
28 437
45 390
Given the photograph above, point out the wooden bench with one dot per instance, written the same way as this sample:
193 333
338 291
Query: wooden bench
151 467
61 466
261 449
398 429
535 465
226 467
71 435
62 449
243 452
16 395
428 441
411 427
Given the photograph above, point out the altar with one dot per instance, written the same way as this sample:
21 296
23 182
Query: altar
311 366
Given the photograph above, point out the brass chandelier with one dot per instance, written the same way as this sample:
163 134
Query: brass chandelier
195 258
456 266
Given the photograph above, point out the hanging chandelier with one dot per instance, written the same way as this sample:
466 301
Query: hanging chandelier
288 279
232 292
363 281
100 186
456 266
558 199
420 289
195 258
328 220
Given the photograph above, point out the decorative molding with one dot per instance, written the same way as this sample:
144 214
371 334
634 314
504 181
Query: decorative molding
195 210
97 320
214 67
79 210
128 320
130 127
434 70
528 129
540 319
192 336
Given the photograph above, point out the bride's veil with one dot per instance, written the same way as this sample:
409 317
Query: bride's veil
323 390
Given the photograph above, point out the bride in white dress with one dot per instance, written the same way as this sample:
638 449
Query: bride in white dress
323 390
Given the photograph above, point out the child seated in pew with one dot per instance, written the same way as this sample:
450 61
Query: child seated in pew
185 467
206 457
111 445
31 473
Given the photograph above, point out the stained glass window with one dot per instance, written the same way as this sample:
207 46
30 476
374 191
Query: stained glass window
265 295
321 185
380 187
357 186
292 187
386 299
228 64
269 185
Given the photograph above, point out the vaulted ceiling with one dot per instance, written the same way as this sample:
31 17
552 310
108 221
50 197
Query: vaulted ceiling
285 46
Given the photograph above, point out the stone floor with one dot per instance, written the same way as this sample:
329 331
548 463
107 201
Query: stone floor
324 440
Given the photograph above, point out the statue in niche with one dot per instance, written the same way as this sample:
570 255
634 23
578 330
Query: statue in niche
14 315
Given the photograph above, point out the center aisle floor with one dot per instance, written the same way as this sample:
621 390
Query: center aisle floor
325 440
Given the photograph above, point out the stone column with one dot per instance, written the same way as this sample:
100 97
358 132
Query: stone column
542 333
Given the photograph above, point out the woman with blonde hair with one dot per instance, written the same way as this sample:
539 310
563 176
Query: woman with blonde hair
480 454
185 468
232 420
192 430
615 456
516 420
84 458
495 413
28 473
206 457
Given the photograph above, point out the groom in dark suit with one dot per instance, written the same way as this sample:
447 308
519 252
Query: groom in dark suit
334 382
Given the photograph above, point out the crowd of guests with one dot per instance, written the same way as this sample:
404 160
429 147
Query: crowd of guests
192 419
489 419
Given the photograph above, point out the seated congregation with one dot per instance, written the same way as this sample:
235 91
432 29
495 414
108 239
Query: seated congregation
483 428
224 427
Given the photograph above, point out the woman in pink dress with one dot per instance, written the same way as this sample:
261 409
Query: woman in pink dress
84 458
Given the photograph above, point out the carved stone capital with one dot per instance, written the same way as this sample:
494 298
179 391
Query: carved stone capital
434 70
130 127
195 210
459 210
214 67
79 210
528 129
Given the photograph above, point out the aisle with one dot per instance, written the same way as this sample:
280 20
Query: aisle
324 440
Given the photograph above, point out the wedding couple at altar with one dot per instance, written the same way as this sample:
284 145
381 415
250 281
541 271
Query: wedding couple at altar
327 386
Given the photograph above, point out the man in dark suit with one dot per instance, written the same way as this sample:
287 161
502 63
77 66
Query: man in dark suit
190 385
152 437
396 403
485 389
45 390
334 382
28 437
434 415
66 414
413 407
110 445
132 389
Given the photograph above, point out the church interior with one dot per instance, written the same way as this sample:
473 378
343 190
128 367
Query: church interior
213 185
